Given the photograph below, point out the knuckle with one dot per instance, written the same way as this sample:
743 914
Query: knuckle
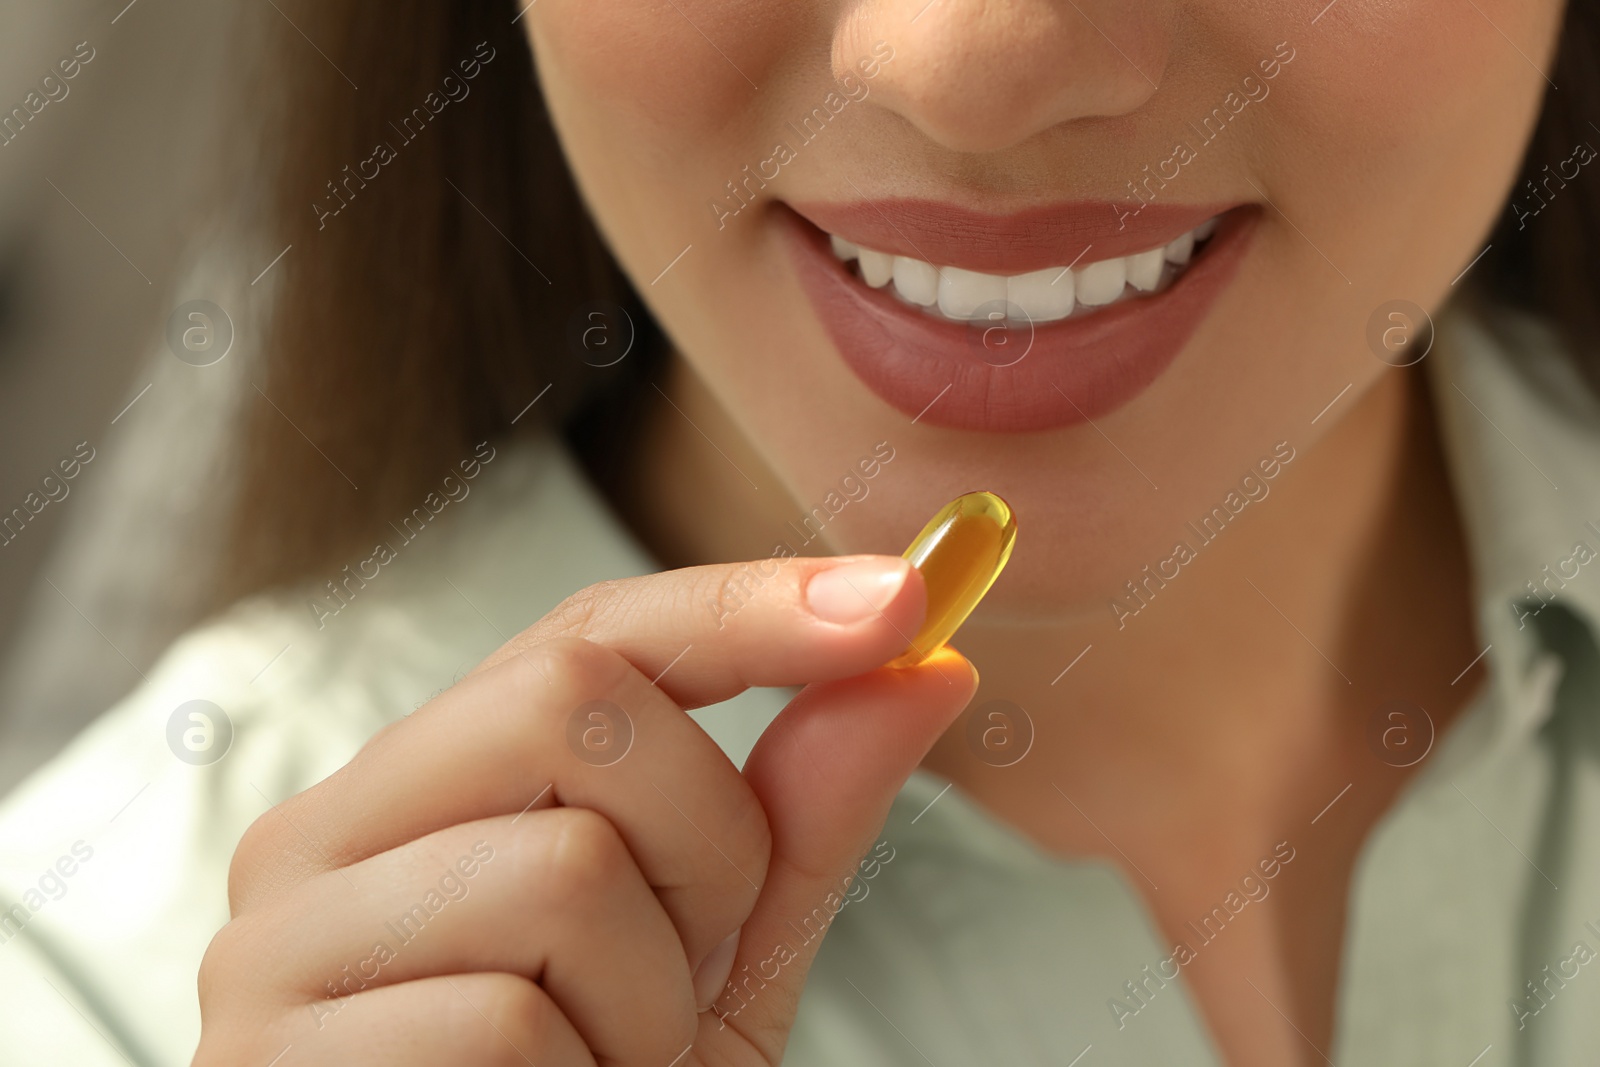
583 858
728 589
514 1007
261 848
260 839
577 614
749 837
589 668
573 667
219 966
274 855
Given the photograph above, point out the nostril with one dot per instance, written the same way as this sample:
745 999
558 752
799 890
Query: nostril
983 75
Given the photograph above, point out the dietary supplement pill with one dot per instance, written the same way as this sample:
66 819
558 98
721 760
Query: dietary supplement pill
960 553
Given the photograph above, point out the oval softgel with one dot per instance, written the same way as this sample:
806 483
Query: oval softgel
960 553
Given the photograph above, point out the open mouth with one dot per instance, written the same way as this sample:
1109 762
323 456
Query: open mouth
1014 323
1039 296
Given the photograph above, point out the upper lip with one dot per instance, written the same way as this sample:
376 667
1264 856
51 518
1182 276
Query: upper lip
1051 235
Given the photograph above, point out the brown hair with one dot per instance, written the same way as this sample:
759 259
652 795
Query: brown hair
1544 253
420 310
440 299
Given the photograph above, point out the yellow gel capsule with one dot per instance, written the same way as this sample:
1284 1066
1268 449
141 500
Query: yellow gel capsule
960 553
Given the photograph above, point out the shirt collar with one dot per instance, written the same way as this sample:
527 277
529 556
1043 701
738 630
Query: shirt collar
1521 435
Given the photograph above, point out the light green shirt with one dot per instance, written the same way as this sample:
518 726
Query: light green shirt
1474 918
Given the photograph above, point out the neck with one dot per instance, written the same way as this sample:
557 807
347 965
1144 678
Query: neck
1253 673
1251 680
1223 727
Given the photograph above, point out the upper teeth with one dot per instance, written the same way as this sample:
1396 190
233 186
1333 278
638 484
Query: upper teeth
1041 295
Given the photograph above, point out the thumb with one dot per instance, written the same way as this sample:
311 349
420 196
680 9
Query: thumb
826 772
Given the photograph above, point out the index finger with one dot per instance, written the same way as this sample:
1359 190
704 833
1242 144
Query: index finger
724 628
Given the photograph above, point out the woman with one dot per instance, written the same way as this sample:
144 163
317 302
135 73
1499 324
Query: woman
1284 739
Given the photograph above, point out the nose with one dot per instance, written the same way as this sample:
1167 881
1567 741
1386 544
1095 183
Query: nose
982 75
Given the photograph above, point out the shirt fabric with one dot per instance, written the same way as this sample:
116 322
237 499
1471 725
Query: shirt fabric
1474 913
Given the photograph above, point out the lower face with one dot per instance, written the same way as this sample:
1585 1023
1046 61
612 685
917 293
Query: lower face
1102 260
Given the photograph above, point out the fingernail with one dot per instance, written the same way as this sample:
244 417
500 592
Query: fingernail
712 974
852 592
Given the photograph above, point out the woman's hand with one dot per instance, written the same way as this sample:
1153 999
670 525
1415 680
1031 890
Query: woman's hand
511 875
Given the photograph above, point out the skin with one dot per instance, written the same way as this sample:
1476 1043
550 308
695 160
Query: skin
578 931
1391 165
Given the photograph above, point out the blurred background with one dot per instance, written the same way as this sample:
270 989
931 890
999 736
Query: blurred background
108 183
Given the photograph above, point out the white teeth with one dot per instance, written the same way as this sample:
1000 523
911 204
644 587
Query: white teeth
876 267
1041 296
917 281
1179 251
963 292
1102 282
1044 295
1144 269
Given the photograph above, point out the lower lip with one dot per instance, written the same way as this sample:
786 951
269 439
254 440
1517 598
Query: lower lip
1014 379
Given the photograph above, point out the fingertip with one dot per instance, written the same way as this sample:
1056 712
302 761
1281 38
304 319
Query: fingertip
945 655
861 589
953 669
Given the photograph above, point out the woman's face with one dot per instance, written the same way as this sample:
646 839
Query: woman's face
1356 155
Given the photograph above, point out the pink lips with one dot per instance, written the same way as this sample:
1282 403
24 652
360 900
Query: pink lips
1020 378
